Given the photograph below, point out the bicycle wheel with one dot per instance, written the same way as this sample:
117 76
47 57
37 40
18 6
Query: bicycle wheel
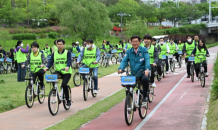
65 101
85 89
202 78
29 96
180 62
142 108
92 90
171 66
151 94
192 73
41 94
77 79
163 72
129 113
174 67
105 63
53 102
114 60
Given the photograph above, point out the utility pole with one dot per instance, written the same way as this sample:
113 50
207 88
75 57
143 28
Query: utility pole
28 12
44 5
121 15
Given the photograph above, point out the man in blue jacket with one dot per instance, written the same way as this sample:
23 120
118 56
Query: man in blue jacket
139 60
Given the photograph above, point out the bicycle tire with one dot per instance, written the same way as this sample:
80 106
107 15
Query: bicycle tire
27 96
92 90
42 94
202 79
75 79
50 101
65 101
142 108
171 66
192 73
151 94
129 110
85 89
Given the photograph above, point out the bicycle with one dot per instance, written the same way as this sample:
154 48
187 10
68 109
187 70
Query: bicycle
76 77
106 60
31 92
128 69
201 74
54 99
131 104
192 68
180 58
8 66
88 83
114 57
2 66
172 62
163 64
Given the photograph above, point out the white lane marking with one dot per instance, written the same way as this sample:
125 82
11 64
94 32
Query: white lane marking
158 105
183 95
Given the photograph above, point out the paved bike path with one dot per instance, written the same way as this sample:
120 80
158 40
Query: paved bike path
39 117
182 110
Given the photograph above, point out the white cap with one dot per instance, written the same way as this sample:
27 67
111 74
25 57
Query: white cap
77 42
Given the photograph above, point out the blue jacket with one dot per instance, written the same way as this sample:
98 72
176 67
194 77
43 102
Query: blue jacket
138 62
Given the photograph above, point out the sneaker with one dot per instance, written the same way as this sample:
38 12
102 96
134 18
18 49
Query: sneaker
144 100
153 85
167 72
95 91
68 103
188 76
197 79
206 74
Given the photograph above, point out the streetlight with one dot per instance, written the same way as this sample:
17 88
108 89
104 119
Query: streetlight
121 15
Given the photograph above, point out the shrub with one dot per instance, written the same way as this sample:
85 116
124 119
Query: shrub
34 25
53 35
24 36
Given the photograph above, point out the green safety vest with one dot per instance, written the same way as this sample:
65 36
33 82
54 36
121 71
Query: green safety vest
1 55
45 53
89 57
55 48
35 61
142 44
172 49
60 61
200 54
74 51
163 50
151 54
107 47
15 57
189 48
21 57
119 47
180 46
156 45
48 50
129 46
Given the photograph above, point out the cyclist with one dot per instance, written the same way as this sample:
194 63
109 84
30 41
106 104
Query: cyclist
54 48
173 49
48 49
128 45
154 57
188 47
108 46
196 39
180 45
139 60
91 54
62 59
165 51
119 48
157 45
35 58
200 50
75 49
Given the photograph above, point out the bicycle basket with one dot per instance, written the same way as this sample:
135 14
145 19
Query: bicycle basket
180 52
51 78
114 51
191 58
9 60
72 55
163 57
84 70
170 56
1 59
128 81
108 55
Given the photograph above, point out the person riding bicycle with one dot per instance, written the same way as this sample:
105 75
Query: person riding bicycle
173 49
154 57
108 46
188 47
200 51
157 45
165 50
89 55
75 49
139 60
62 60
128 45
119 48
48 49
35 59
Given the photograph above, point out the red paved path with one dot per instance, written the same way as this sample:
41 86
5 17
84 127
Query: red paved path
183 109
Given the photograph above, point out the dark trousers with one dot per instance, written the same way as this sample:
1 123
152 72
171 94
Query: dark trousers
153 69
159 67
66 78
21 73
145 82
40 75
167 63
197 68
177 56
188 66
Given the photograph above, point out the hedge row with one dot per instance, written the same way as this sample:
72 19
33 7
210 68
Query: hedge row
32 36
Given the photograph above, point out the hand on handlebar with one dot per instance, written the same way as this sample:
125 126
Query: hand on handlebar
66 69
95 62
46 68
154 64
119 71
42 66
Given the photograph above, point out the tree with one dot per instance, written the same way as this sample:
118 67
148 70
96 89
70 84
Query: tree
36 12
84 19
192 13
146 11
161 14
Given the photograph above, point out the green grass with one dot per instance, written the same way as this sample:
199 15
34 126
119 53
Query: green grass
75 121
212 45
13 92
212 115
